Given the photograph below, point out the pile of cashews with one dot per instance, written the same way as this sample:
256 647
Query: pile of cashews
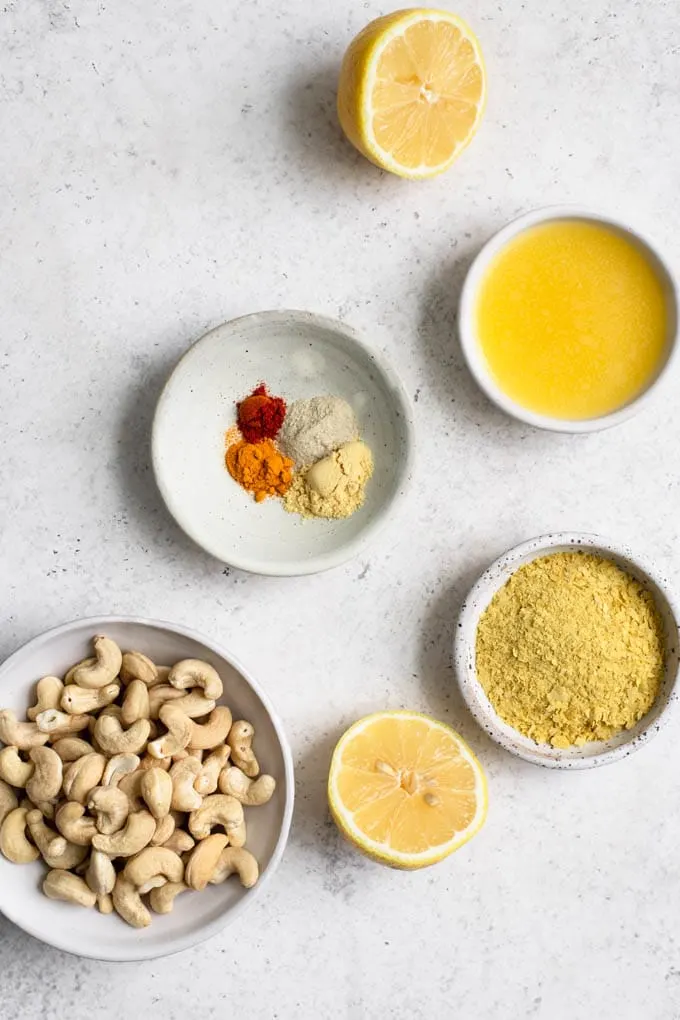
107 781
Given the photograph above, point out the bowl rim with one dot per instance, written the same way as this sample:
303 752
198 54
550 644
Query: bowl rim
404 476
138 951
470 346
496 574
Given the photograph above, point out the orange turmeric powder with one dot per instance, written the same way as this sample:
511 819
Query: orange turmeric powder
259 468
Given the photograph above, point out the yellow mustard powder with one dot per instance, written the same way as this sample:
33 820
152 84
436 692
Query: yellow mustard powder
571 649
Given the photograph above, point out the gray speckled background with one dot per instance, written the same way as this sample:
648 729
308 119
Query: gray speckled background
164 167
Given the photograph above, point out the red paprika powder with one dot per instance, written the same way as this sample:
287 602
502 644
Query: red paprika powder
260 416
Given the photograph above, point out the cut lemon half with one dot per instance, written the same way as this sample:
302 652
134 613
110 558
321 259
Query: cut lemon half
412 91
406 789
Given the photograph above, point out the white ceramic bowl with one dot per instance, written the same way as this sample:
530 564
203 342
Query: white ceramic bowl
298 355
479 597
472 349
196 916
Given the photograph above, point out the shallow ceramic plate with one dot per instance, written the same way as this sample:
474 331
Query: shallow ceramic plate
479 597
195 916
298 355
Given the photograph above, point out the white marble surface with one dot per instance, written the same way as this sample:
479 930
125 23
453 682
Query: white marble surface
167 166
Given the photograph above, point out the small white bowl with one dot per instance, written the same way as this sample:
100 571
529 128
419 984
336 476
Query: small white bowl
479 597
195 916
472 350
298 355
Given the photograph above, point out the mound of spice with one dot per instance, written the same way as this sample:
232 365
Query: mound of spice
260 416
334 487
259 468
316 427
571 649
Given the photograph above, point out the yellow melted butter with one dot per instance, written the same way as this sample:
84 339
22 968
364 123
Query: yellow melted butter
572 319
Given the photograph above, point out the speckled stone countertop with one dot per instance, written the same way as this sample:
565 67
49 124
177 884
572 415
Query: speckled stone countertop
164 167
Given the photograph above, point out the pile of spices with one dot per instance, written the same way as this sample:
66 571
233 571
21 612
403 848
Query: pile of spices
260 416
259 468
316 427
571 649
333 487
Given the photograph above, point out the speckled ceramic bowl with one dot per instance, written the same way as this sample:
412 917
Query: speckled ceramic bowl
299 355
596 753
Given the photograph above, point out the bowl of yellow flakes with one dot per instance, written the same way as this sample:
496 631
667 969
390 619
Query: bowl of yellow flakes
567 653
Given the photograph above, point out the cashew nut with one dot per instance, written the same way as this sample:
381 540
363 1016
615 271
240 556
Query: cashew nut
156 789
105 669
240 739
79 700
47 692
13 769
62 885
14 844
68 679
159 695
195 704
131 786
137 666
236 860
105 903
82 775
218 809
179 728
8 800
138 833
100 874
74 824
113 739
128 904
22 735
135 703
111 807
57 852
210 771
180 841
183 775
214 731
154 860
203 860
118 766
45 782
194 673
251 792
71 748
162 899
165 827
54 723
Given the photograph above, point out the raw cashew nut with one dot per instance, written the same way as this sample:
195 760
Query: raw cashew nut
218 809
137 666
79 700
235 860
54 723
47 692
163 898
105 669
71 748
156 789
203 861
154 860
100 874
68 679
13 769
210 771
195 704
128 903
74 824
135 703
113 739
57 852
161 694
165 828
14 844
240 739
251 792
179 728
214 731
82 775
131 786
22 735
137 834
110 807
180 841
62 885
8 800
194 673
45 783
118 766
183 775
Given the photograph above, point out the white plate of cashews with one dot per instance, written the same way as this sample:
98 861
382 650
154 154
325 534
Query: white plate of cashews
146 788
